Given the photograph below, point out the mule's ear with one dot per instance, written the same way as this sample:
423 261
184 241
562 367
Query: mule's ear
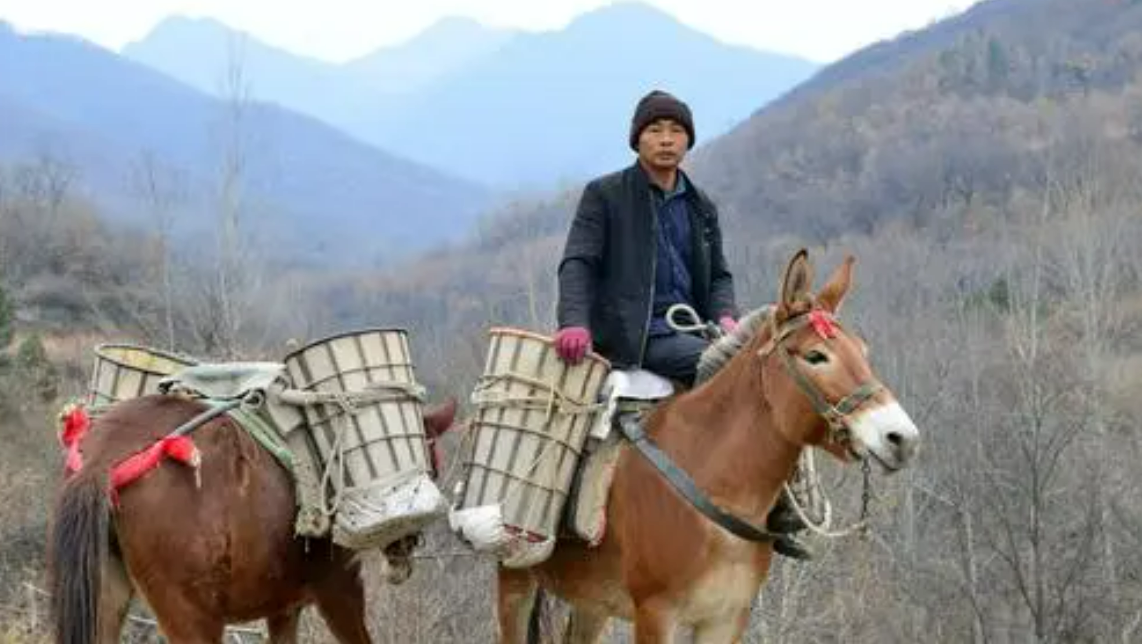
440 418
797 280
832 294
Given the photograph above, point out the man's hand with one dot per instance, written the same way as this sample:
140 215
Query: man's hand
572 344
728 323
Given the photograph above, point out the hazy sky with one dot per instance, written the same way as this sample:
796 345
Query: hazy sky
336 30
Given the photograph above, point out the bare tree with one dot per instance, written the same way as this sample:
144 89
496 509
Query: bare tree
236 91
163 190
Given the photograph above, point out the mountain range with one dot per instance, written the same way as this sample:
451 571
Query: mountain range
419 140
532 109
307 187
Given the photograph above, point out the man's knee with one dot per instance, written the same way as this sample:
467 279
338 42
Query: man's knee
675 356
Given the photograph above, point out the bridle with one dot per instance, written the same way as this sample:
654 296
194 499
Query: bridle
836 416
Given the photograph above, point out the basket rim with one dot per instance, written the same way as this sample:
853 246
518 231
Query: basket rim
175 356
342 334
524 333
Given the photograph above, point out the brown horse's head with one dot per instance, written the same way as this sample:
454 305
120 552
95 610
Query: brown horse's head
819 383
437 421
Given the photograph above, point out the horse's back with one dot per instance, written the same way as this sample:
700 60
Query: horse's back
221 536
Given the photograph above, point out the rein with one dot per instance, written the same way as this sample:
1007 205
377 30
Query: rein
632 430
835 415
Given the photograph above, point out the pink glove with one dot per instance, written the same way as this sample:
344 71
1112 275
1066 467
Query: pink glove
728 323
572 343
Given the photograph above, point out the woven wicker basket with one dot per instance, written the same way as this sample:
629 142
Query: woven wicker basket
366 426
124 371
532 415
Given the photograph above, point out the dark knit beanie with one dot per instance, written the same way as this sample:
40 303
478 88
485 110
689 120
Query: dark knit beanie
660 105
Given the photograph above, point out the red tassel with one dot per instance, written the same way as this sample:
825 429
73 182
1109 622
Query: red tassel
182 449
75 423
823 324
132 468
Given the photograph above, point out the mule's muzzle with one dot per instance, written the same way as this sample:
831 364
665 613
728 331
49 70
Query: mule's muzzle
886 434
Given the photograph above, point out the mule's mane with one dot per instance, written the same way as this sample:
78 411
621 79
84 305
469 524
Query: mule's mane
722 350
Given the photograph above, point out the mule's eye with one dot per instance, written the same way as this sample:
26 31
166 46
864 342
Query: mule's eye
816 357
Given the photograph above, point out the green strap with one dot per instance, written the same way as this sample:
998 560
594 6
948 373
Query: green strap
853 401
249 422
267 437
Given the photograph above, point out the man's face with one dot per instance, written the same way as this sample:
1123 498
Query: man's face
663 144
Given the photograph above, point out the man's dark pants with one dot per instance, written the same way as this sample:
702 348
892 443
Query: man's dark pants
674 356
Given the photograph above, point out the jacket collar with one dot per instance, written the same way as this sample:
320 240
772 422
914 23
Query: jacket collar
684 183
695 196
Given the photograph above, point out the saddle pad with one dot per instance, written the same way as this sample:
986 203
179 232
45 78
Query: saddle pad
226 380
586 516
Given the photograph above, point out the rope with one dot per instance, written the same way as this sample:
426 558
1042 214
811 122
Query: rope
710 330
550 401
516 487
467 438
337 455
350 403
824 527
483 396
374 392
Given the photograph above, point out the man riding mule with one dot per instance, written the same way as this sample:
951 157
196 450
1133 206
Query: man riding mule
685 543
643 240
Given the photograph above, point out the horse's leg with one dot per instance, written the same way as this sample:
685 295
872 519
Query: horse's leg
723 631
515 597
191 630
114 599
180 620
341 601
653 623
585 627
283 627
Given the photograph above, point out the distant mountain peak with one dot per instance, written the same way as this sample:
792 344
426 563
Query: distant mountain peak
448 31
623 19
182 26
625 12
455 24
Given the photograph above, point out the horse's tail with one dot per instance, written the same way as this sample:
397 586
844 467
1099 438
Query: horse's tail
78 549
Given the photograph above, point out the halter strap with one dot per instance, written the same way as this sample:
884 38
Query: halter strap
835 415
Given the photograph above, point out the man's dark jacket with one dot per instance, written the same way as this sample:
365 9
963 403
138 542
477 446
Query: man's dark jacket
606 277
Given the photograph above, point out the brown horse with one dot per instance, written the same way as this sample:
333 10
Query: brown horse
202 554
800 380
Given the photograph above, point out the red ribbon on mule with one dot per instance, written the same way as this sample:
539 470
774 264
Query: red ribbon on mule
823 324
75 422
134 467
